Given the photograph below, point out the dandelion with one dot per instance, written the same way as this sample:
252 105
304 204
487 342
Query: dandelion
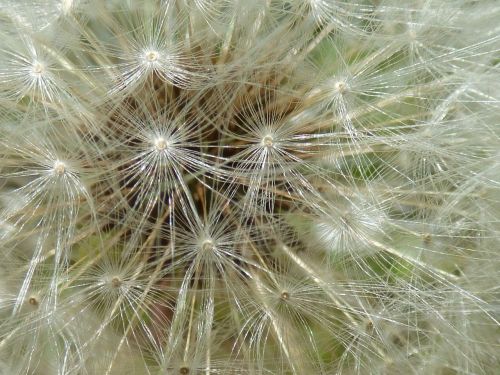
249 187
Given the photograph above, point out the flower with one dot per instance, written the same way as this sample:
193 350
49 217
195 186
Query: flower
249 187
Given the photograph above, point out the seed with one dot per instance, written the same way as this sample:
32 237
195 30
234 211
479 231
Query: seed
116 282
151 56
268 141
59 168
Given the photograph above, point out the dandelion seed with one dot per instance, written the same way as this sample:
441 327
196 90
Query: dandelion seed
67 6
33 301
151 56
59 168
116 282
37 69
341 87
207 245
268 141
161 144
285 296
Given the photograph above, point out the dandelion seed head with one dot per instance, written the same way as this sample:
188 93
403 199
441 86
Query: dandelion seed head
235 186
